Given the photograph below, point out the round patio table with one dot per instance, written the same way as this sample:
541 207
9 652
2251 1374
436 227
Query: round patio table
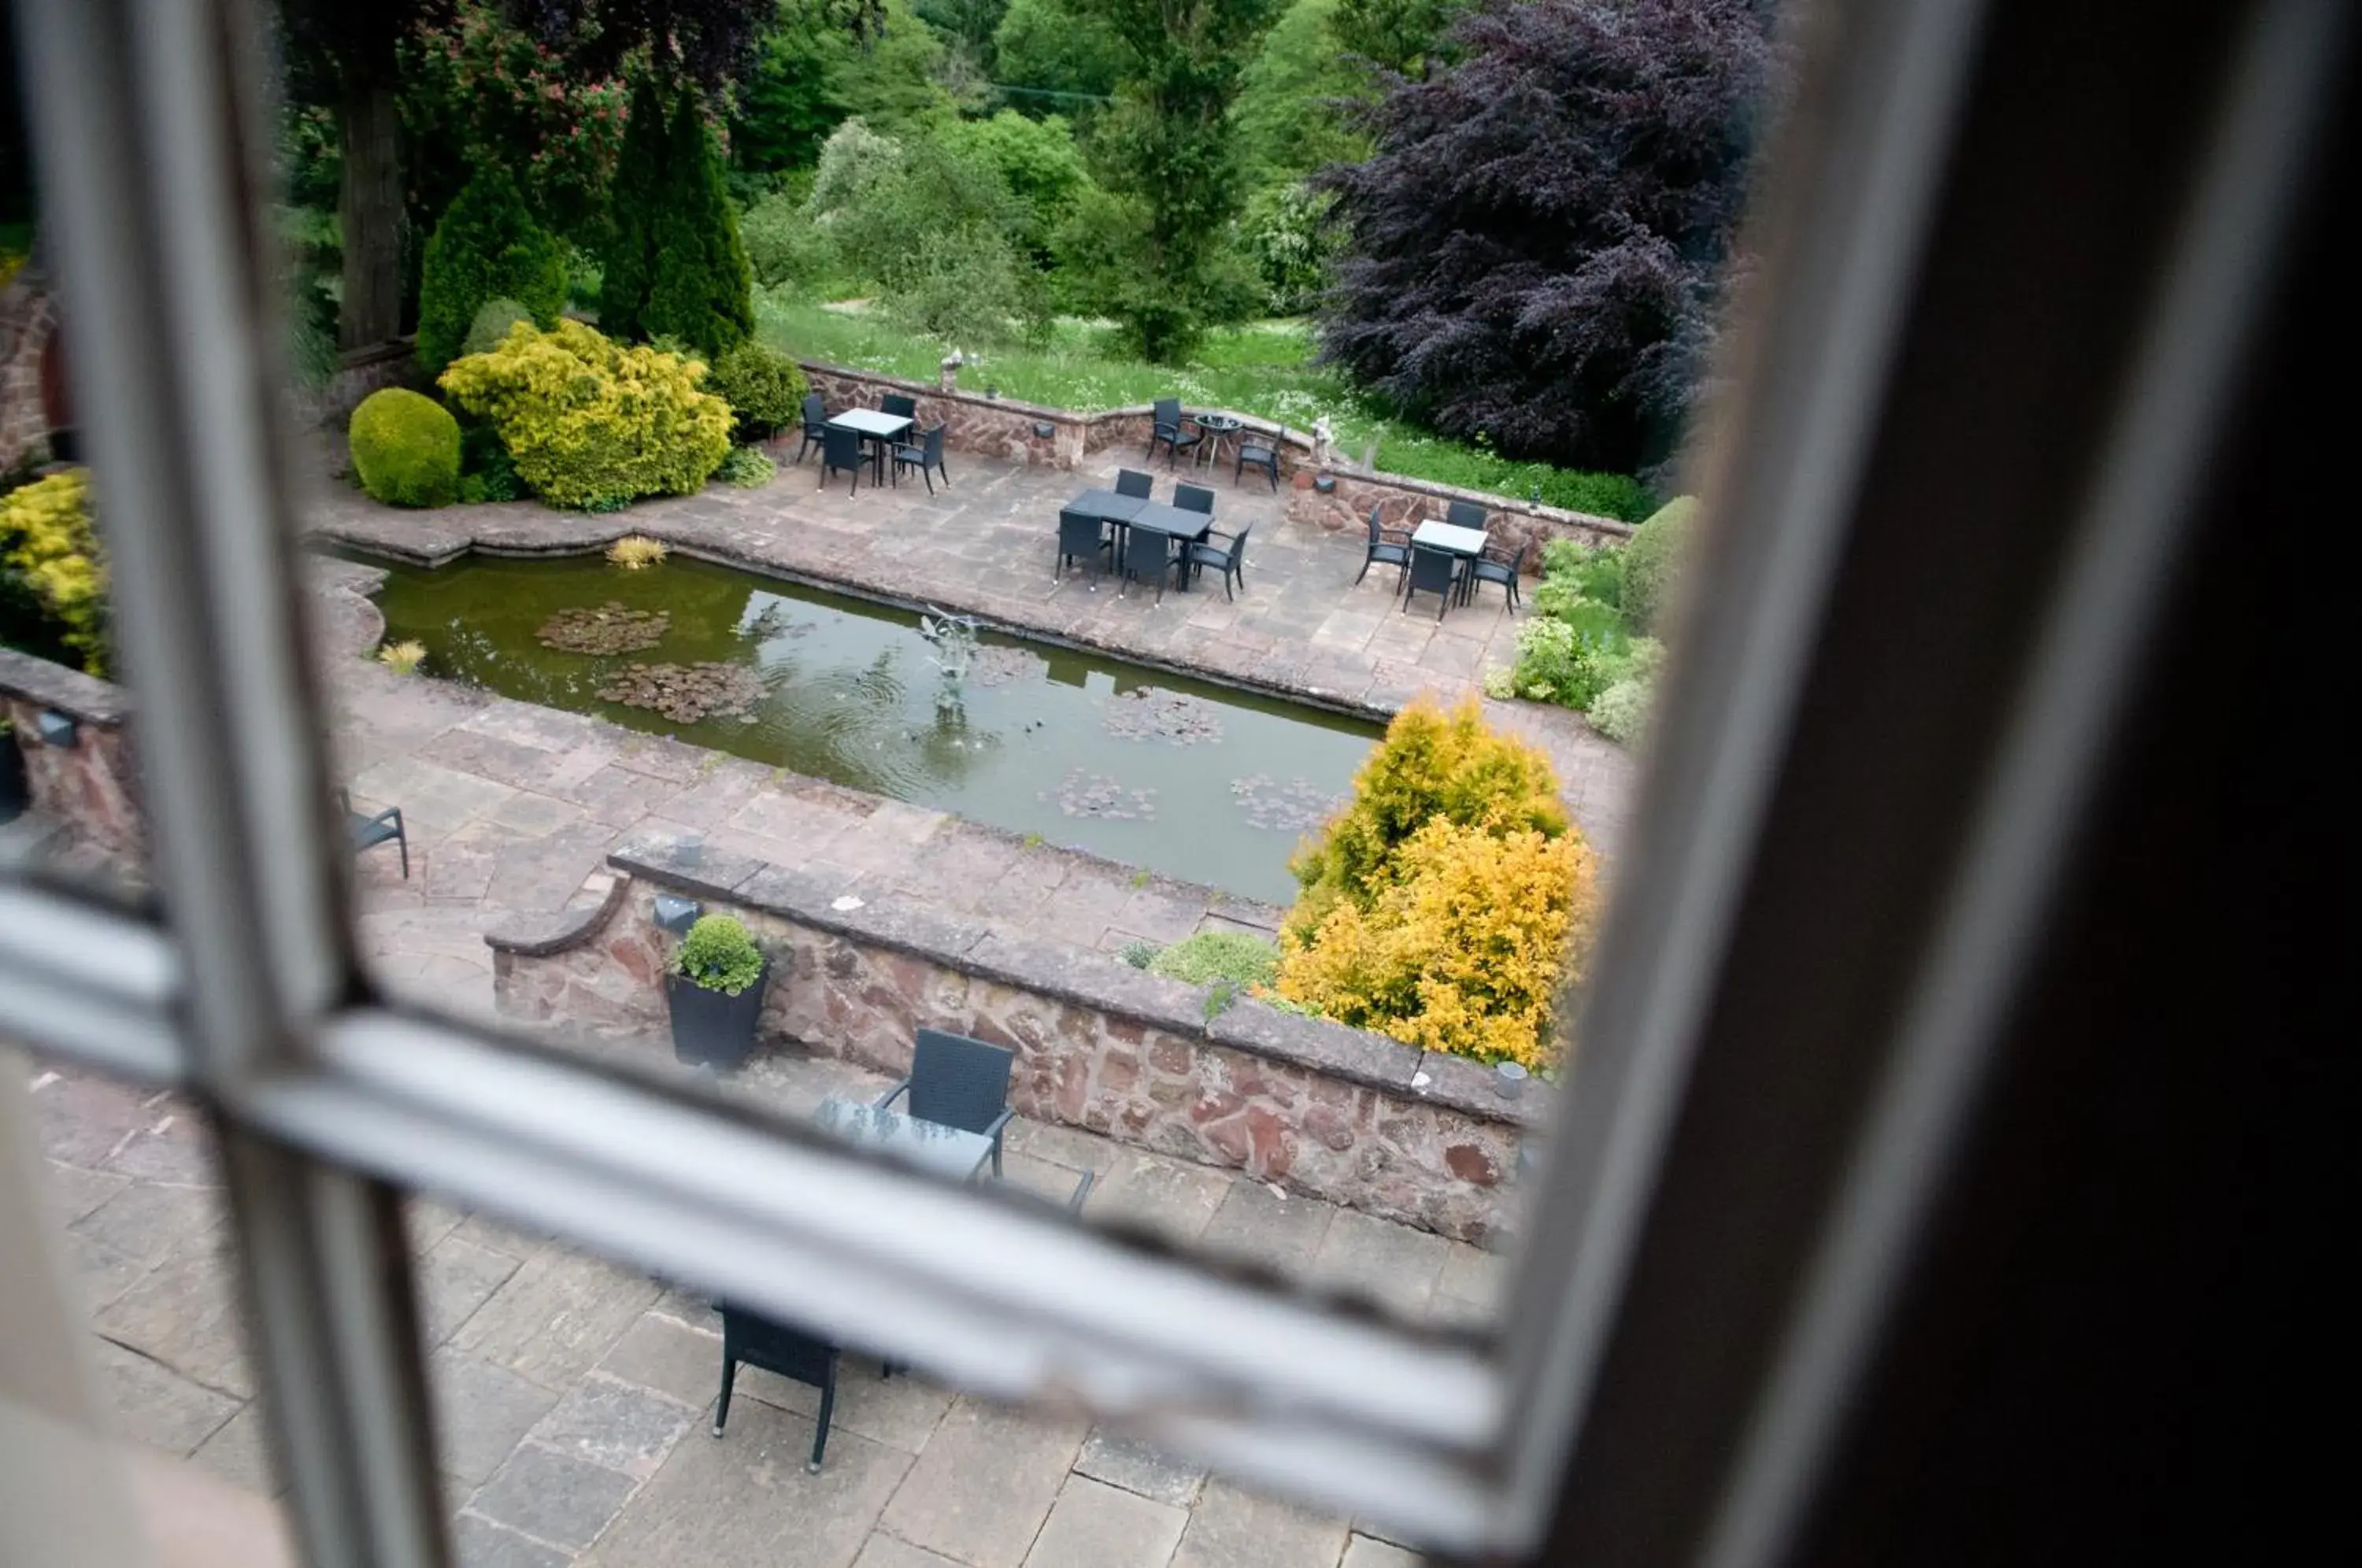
1214 426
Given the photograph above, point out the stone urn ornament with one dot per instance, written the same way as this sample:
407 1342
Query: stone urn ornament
947 373
1324 442
713 991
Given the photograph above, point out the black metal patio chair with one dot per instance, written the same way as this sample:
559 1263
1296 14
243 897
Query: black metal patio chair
1485 569
1143 553
1257 452
1165 426
1229 557
895 403
365 830
791 1353
841 449
1080 534
1385 549
1131 482
1194 498
927 455
815 424
958 1082
1465 515
1432 571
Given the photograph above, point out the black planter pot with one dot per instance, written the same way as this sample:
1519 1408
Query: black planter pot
15 789
714 1029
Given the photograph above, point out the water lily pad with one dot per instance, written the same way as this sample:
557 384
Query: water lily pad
1151 712
608 628
686 693
1296 806
997 665
1085 794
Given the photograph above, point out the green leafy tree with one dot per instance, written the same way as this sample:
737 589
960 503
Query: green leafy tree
812 75
675 265
1059 55
1404 36
1287 117
486 248
1036 160
1168 150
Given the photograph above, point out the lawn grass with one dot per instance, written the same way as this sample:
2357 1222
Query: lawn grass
1264 368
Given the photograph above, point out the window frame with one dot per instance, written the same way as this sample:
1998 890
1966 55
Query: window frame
329 1100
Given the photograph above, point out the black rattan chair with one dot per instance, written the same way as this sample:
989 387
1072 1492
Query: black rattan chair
1465 515
1485 570
1386 550
815 424
841 449
1080 534
894 403
1256 453
1231 558
1194 498
1432 571
367 831
928 454
757 1341
958 1082
1165 426
1147 551
1131 482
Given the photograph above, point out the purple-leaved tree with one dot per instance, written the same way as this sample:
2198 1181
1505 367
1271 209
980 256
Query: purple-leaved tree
1534 256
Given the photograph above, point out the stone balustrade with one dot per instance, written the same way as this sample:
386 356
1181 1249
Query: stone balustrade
1340 1114
86 785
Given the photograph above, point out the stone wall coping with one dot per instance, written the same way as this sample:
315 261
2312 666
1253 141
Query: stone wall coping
540 936
1055 970
1488 499
86 697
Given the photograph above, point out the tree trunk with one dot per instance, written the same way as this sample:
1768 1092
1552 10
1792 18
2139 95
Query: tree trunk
370 209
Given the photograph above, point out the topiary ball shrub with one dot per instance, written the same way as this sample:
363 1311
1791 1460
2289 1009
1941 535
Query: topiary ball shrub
717 955
592 425
764 388
486 247
1211 955
406 448
1653 561
493 319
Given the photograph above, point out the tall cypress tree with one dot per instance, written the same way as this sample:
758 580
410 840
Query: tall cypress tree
636 200
676 266
486 247
704 290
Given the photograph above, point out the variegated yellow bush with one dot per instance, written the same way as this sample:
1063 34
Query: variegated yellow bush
590 423
47 539
1462 950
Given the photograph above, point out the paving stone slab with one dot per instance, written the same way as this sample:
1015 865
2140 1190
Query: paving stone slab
984 1486
240 1452
148 1219
1137 1466
184 1313
156 1405
745 1500
83 1119
1391 1264
549 1496
455 1277
1367 1551
479 1543
1256 1225
1167 1197
1093 1525
882 1551
173 1147
101 1274
556 1316
669 1356
620 1425
1233 1527
900 1412
482 1412
73 1191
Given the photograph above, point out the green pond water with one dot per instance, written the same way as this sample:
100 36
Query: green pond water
1194 779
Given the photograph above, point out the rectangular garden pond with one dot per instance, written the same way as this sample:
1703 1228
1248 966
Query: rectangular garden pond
1200 781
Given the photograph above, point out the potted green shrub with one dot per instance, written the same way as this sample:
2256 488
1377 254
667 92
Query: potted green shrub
715 993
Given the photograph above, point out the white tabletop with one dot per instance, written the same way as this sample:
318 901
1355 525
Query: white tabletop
870 422
1444 536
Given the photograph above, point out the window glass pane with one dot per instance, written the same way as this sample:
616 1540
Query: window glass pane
135 1189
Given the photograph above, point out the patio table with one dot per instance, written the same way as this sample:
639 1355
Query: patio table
929 1145
1466 543
1139 512
1217 427
881 429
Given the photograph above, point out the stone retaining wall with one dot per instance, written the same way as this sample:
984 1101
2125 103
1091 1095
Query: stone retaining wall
27 317
88 787
1340 1114
1406 502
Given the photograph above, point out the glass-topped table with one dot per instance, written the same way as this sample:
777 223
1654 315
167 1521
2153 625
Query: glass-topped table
929 1145
875 427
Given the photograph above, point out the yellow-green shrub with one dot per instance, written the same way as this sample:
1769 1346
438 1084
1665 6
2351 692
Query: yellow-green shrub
1432 764
590 423
406 448
46 540
1461 950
